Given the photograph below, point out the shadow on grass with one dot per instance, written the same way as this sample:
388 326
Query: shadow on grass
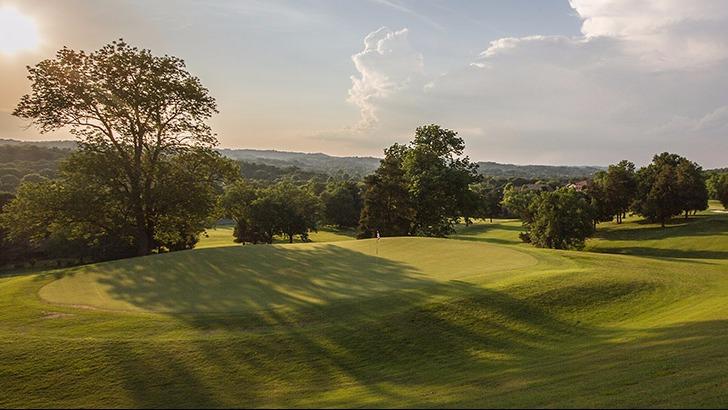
495 350
700 225
480 231
251 279
663 253
309 320
477 331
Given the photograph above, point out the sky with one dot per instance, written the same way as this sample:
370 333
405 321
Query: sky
528 82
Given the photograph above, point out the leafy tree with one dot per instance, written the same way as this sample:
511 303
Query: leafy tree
236 204
487 200
562 219
438 179
262 213
5 248
720 185
297 209
518 202
387 204
658 193
620 185
421 188
80 215
691 183
135 110
602 204
342 204
668 186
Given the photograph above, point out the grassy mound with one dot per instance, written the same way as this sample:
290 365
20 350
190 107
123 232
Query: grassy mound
416 323
252 278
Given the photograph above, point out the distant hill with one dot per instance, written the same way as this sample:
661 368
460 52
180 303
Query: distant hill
365 165
357 166
61 144
495 169
318 162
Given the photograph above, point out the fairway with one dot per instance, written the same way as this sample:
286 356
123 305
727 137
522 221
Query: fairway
410 322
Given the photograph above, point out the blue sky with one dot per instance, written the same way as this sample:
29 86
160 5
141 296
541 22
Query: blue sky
559 82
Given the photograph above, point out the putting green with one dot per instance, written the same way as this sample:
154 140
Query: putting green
252 278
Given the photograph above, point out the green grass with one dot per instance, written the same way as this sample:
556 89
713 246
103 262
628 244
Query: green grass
222 235
482 322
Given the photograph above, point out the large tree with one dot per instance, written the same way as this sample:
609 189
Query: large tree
135 109
658 195
720 188
387 208
487 197
439 179
620 185
260 214
517 201
562 219
692 187
668 186
603 208
342 203
79 214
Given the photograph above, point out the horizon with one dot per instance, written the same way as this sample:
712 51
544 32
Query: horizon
556 83
360 156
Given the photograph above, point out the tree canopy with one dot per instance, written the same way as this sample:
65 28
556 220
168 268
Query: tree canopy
136 112
668 186
422 188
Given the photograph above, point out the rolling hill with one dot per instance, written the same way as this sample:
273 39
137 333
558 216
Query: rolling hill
478 320
354 166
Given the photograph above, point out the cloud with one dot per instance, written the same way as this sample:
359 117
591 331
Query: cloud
664 34
388 65
642 77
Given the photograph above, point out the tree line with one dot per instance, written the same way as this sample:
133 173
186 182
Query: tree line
670 185
147 179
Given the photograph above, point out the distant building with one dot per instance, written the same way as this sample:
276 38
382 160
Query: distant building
578 185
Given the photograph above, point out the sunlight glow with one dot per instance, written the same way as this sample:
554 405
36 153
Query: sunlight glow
18 32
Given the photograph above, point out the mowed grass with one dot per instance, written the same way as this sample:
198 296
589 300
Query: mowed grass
412 322
222 235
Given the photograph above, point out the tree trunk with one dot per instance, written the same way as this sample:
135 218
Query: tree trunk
142 241
290 238
491 220
686 214
662 221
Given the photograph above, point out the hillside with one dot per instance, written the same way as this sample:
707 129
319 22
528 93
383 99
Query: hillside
415 322
358 166
495 169
318 162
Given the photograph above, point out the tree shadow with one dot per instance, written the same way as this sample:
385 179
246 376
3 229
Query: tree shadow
474 331
241 279
480 232
663 253
699 225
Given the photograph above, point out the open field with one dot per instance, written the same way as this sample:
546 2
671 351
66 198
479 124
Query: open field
640 320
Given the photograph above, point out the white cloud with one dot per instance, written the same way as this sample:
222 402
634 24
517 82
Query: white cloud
388 65
664 34
643 77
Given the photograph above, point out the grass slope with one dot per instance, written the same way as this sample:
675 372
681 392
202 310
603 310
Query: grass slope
419 322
